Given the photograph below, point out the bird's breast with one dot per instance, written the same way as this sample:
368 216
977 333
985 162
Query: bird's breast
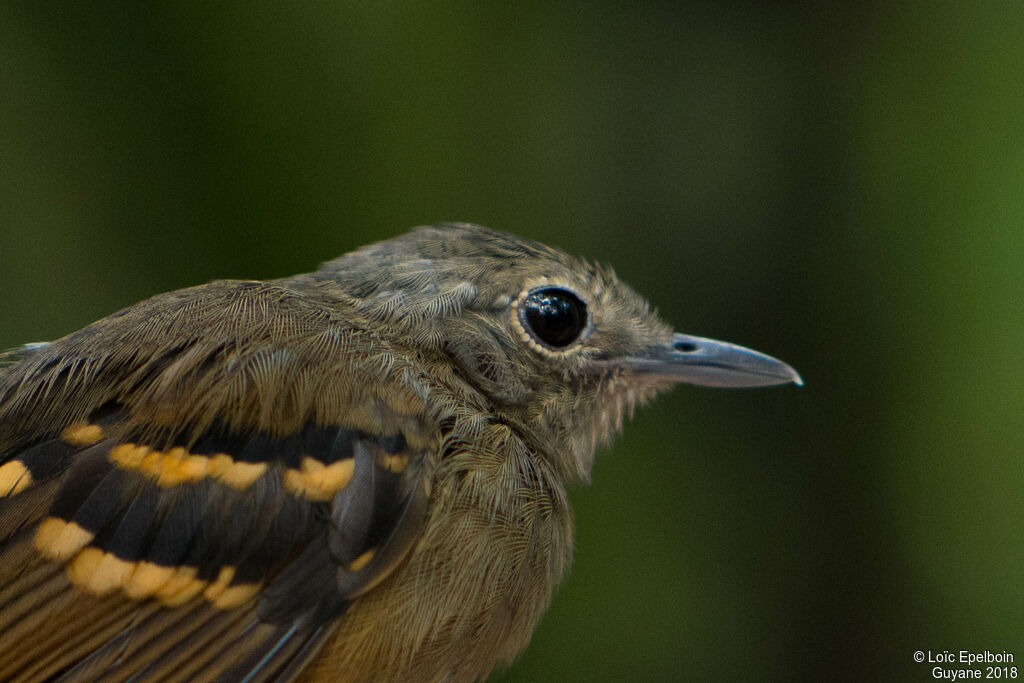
497 541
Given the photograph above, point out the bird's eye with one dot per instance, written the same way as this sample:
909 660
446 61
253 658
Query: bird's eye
554 317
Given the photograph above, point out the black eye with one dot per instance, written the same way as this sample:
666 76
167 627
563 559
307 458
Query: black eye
555 317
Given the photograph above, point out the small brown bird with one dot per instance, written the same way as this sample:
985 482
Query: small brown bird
357 474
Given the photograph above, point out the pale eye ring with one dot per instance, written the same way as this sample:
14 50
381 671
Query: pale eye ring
554 316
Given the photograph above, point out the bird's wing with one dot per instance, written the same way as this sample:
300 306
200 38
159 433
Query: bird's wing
184 496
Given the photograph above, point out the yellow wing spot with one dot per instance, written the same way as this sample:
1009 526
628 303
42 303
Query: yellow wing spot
233 596
14 478
317 481
147 579
214 590
59 540
362 560
237 475
173 467
182 587
128 456
151 464
82 433
99 572
220 464
393 463
178 466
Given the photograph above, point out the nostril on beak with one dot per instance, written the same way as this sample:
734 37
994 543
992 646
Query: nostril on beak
684 347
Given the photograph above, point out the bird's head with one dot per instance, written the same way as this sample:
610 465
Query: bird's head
558 346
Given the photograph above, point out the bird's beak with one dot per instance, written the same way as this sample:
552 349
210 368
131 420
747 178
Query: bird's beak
696 360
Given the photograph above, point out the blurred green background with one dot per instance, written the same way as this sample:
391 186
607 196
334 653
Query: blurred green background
838 187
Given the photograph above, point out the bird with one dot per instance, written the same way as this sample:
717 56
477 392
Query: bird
354 474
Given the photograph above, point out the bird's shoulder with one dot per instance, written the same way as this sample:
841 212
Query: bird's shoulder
258 354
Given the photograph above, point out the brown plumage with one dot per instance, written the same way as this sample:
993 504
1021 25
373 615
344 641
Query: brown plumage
356 474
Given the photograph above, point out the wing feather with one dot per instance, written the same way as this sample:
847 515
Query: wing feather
153 529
